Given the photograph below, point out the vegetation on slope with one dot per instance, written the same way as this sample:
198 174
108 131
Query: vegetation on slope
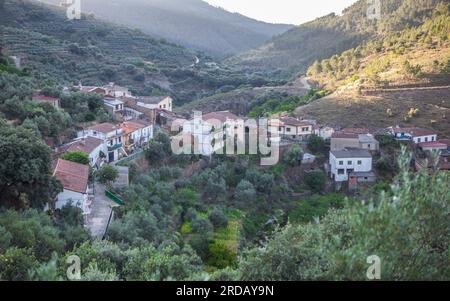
96 52
191 23
294 51
417 54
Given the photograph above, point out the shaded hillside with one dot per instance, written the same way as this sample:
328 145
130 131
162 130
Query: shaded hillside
191 23
95 52
293 51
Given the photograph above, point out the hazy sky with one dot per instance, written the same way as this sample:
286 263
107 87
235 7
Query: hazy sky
283 11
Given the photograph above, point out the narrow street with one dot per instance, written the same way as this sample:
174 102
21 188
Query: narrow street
97 221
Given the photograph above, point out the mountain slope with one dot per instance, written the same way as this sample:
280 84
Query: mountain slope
401 79
94 52
191 23
293 51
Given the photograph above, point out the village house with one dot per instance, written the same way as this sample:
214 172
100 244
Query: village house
355 163
294 128
208 131
424 155
325 132
136 134
155 102
117 91
414 134
95 148
113 105
91 89
111 135
343 140
54 101
74 177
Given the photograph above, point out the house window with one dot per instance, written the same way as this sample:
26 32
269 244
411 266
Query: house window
341 171
419 140
280 129
164 106
341 162
433 139
368 146
359 162
288 130
426 139
305 129
349 162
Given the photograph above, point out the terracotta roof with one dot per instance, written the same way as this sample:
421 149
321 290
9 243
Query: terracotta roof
86 145
445 141
358 130
341 135
435 144
415 132
295 121
44 98
103 128
131 126
73 176
223 116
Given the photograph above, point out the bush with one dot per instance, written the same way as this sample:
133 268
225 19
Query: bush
316 144
316 181
245 194
107 175
220 256
77 157
218 218
293 156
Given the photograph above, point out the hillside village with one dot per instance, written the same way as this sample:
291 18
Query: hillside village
351 159
151 161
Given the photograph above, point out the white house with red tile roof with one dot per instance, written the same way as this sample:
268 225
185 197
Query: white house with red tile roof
75 178
433 146
112 135
95 148
156 102
417 135
294 128
54 101
208 130
136 133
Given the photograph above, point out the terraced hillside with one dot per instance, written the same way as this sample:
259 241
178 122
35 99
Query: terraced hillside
402 79
94 52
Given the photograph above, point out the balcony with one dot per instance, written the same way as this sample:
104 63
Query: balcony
115 147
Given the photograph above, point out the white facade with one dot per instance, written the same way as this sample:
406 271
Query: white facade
75 199
113 105
164 104
426 138
113 141
324 132
342 163
95 158
143 135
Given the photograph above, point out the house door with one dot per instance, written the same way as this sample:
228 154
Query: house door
111 157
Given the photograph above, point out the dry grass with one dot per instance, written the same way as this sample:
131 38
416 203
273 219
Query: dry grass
352 110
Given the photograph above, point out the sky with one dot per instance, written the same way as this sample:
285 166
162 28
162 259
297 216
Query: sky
283 11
